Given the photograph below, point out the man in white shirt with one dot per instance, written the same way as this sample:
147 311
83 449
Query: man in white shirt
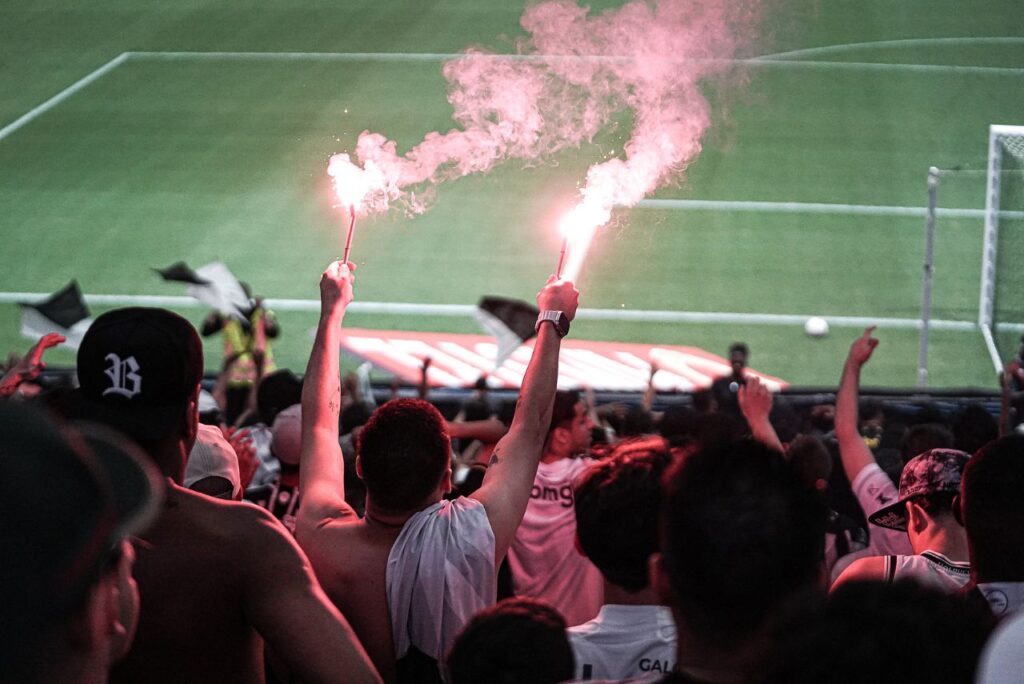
617 502
873 488
929 486
411 573
546 564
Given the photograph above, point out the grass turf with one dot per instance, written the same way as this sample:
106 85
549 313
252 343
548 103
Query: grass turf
195 159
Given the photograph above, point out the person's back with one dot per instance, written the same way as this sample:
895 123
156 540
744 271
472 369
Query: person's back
357 555
191 568
414 570
617 502
214 576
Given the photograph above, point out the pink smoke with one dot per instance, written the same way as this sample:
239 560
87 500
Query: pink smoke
572 75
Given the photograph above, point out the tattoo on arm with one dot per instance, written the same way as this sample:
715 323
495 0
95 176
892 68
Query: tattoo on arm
334 403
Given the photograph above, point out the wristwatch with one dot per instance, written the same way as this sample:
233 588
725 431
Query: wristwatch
556 318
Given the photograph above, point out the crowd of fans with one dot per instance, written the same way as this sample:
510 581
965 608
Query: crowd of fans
155 532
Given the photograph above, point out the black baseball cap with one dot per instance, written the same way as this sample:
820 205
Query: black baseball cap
68 495
137 368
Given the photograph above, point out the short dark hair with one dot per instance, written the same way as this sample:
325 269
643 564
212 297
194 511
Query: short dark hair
276 392
564 408
739 533
404 449
517 641
973 428
992 499
925 437
873 632
812 461
617 502
739 347
354 415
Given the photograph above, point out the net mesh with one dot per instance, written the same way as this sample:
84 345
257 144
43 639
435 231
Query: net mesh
1008 291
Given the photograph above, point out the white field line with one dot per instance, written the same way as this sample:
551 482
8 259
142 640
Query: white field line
63 95
770 61
817 208
468 310
898 43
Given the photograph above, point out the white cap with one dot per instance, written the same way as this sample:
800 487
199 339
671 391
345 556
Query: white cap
286 442
212 456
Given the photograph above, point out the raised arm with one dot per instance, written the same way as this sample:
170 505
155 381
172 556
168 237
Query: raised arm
321 466
756 404
513 465
30 365
852 450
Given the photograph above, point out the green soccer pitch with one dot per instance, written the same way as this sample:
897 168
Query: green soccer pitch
133 135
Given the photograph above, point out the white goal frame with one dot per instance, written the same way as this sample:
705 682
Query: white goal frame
997 134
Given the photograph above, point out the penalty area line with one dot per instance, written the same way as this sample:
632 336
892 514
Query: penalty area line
468 310
63 95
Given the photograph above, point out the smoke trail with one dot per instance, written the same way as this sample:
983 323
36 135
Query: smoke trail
573 74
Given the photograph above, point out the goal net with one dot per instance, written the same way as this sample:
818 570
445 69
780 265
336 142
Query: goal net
1001 309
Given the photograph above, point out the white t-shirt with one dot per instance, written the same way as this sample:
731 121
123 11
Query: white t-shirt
930 569
440 573
1002 661
874 491
623 642
543 558
1003 598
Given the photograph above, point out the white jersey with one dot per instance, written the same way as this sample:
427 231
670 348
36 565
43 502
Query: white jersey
874 491
543 558
930 569
1003 598
440 573
1003 658
623 642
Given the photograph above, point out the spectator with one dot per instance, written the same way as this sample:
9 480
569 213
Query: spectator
1002 661
740 534
813 463
214 576
973 428
276 392
247 350
928 487
417 567
212 467
616 503
29 366
516 641
872 487
992 511
872 632
925 437
68 501
725 389
546 564
281 496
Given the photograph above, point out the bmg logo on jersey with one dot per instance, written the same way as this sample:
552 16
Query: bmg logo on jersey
124 376
561 494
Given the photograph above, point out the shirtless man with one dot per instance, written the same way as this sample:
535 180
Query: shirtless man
415 569
214 576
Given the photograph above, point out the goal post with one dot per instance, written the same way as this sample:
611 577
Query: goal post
1000 315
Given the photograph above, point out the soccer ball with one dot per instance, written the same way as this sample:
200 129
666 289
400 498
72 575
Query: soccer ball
816 326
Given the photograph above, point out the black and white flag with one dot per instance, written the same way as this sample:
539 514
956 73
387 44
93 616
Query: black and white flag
64 312
510 321
213 284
